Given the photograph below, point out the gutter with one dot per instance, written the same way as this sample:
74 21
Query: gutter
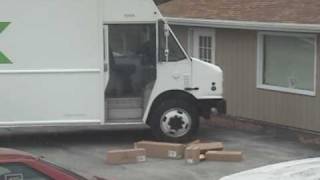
248 25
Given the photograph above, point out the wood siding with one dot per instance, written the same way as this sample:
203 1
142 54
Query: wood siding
236 54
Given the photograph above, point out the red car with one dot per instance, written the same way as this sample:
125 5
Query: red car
18 165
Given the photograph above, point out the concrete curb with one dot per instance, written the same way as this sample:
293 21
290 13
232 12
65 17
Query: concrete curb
229 122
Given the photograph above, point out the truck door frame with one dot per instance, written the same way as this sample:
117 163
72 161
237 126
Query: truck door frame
107 66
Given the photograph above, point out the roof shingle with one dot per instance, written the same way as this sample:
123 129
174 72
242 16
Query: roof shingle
281 11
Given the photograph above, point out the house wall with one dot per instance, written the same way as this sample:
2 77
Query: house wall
236 54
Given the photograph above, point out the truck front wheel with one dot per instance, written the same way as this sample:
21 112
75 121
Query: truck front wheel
174 120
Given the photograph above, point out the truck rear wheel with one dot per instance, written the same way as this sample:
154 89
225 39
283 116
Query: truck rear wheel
174 121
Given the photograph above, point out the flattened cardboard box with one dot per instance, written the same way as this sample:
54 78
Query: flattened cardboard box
224 156
204 147
161 149
126 156
192 155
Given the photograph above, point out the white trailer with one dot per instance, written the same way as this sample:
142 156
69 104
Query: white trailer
100 62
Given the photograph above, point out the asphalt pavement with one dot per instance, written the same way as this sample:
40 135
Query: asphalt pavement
84 151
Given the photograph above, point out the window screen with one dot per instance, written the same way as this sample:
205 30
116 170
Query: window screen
289 61
205 48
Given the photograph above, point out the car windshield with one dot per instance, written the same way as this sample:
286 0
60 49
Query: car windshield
77 176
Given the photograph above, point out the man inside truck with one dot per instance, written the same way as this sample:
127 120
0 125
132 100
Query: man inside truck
132 59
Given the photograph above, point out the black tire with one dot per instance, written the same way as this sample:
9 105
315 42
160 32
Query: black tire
161 108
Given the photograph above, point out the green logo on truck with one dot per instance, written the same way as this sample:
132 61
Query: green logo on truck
3 58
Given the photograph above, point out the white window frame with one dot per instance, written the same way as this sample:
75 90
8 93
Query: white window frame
194 38
260 64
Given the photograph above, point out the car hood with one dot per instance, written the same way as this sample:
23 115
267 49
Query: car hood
307 169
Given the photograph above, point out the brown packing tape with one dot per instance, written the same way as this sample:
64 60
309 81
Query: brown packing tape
224 156
126 156
213 146
162 149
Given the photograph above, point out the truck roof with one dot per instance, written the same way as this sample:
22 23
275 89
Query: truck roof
130 11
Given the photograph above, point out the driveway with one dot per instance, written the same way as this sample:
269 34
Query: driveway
84 151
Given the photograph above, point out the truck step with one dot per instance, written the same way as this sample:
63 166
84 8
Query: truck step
132 113
123 103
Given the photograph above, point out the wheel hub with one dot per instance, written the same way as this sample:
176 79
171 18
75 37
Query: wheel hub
175 122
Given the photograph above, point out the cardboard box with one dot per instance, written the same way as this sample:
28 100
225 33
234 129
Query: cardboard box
204 147
126 156
161 149
192 155
224 156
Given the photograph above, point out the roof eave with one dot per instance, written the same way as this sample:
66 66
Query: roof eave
249 25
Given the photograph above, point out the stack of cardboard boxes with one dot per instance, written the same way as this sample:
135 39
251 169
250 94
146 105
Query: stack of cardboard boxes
193 152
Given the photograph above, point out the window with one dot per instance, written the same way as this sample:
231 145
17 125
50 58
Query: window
18 171
204 44
205 48
77 176
286 62
175 52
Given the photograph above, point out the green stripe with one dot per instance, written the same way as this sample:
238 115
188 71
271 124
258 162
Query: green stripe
3 26
3 58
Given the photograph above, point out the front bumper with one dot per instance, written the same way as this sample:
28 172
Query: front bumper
208 107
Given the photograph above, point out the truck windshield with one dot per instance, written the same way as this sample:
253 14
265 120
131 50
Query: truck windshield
175 53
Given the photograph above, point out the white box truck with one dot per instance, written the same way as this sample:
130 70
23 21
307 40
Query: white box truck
100 62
